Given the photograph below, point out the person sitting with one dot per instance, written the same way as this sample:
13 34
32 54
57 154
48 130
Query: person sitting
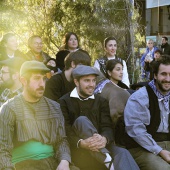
9 75
9 47
111 90
51 64
62 83
71 44
147 118
32 126
110 46
89 126
35 53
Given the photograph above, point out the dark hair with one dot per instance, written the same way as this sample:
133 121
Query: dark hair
54 68
158 51
78 57
108 39
31 39
165 60
166 38
110 65
5 38
67 37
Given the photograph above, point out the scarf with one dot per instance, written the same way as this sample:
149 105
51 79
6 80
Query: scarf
100 86
161 97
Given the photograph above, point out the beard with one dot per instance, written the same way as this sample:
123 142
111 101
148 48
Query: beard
161 87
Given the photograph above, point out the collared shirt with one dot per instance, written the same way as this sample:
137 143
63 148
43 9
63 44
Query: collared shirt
8 94
137 117
74 94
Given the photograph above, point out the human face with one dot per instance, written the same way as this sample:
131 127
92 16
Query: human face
36 45
34 87
150 44
111 48
5 77
157 56
163 79
164 41
11 43
116 74
86 85
72 42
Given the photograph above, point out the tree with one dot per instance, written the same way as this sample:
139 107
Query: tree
91 20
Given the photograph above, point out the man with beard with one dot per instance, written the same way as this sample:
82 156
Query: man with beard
89 126
147 120
165 47
9 78
32 134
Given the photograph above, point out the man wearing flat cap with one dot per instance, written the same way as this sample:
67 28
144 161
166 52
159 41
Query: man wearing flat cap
32 134
89 126
9 78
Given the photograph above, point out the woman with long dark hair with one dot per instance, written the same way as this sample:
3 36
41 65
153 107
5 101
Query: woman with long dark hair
71 44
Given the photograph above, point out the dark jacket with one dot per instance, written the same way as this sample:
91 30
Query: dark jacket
43 56
97 111
4 56
61 55
165 49
57 86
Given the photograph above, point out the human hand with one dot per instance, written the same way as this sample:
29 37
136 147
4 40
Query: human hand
98 142
64 165
165 155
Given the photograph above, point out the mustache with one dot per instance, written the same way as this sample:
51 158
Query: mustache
165 81
41 88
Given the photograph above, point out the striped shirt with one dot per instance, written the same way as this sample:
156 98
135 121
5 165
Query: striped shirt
21 121
8 94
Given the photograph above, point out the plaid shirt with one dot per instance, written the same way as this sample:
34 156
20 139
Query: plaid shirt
8 94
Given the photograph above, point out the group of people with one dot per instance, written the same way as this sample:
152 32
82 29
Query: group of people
152 53
62 114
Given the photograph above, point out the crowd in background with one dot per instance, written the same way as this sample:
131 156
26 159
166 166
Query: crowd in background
101 109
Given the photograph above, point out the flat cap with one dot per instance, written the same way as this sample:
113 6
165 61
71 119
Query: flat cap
14 63
31 66
82 70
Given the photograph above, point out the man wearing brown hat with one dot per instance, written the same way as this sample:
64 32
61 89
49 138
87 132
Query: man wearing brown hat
32 134
9 78
89 126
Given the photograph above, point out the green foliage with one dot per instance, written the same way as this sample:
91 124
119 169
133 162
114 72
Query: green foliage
91 20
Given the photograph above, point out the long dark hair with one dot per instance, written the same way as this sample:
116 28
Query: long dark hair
67 37
110 65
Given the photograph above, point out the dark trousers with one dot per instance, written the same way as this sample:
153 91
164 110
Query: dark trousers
43 164
122 158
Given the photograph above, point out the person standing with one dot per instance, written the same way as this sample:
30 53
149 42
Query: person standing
165 47
71 44
110 46
146 58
